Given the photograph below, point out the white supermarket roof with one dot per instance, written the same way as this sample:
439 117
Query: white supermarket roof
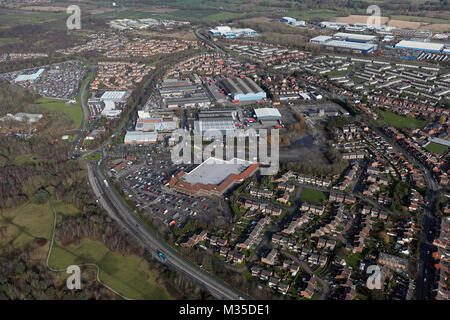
215 170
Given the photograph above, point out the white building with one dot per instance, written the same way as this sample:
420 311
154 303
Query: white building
29 77
116 96
140 137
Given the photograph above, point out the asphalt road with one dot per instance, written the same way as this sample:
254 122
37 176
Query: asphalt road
85 110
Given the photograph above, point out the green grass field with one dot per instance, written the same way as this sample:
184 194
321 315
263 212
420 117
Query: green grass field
72 110
436 148
130 276
310 195
26 223
399 122
30 18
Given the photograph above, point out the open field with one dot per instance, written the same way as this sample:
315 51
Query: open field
436 148
437 27
30 18
359 19
404 24
403 21
44 8
312 14
26 223
130 275
419 19
399 122
72 110
310 195
207 15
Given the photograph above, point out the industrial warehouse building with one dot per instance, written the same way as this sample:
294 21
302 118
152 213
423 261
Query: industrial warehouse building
352 46
293 22
320 39
222 120
183 94
243 89
156 121
228 32
115 96
333 25
213 177
354 37
420 46
139 137
358 43
268 114
29 77
110 100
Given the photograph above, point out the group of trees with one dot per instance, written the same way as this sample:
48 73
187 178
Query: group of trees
27 279
336 165
44 172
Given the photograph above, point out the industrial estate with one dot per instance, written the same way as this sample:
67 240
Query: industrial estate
92 173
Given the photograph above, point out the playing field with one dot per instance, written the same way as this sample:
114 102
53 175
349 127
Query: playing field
436 148
399 122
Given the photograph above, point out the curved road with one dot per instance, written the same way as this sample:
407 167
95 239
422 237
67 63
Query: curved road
127 219
85 109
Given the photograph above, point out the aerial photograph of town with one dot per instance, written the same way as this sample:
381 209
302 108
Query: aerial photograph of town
231 156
